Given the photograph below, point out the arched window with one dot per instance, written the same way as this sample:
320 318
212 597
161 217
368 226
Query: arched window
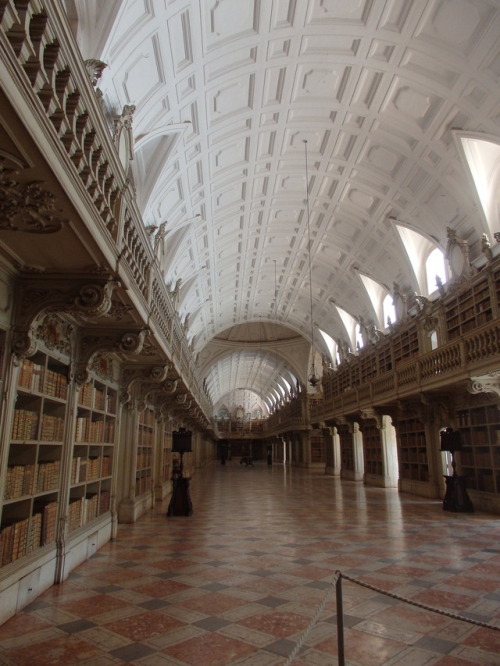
389 311
483 159
359 337
435 269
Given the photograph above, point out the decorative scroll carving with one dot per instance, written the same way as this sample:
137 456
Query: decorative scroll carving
133 342
95 299
489 383
170 385
26 206
142 380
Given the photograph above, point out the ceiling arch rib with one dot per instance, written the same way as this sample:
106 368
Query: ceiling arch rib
376 88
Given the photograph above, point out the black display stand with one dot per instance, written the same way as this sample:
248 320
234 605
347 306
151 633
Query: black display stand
180 502
456 497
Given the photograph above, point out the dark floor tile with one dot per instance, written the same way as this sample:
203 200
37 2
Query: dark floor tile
76 626
272 602
132 652
283 647
154 604
211 623
435 644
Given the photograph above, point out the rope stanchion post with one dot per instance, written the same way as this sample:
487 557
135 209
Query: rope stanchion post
340 620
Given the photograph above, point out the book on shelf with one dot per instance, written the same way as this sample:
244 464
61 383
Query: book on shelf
49 522
31 375
24 424
104 501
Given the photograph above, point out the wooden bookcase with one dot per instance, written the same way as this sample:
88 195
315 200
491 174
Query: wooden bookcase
413 463
346 448
92 458
144 459
368 366
318 450
480 455
469 310
166 453
31 495
372 449
405 344
384 357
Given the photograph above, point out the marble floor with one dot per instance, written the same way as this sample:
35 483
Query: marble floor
242 579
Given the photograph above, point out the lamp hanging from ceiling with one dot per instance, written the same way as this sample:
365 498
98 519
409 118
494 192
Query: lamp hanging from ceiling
313 379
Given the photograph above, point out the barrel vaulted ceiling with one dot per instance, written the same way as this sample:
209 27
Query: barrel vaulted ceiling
248 110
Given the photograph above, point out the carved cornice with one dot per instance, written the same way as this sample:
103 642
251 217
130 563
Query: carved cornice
35 302
91 348
370 414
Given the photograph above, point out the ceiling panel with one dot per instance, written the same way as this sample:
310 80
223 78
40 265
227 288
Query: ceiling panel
375 88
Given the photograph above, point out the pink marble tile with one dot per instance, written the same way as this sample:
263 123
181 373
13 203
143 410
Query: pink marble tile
160 588
212 603
365 649
444 600
93 605
57 652
144 625
22 624
485 639
276 623
209 650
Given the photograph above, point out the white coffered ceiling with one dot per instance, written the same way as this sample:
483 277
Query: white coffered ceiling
226 94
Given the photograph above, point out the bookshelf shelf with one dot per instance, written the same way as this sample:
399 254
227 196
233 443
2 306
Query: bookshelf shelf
30 498
469 310
144 457
93 451
372 449
346 448
412 450
480 455
405 344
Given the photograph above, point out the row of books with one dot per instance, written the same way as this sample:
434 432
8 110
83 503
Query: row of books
85 509
145 437
88 430
147 418
25 424
97 398
52 428
36 377
144 460
143 484
29 479
23 536
88 469
55 384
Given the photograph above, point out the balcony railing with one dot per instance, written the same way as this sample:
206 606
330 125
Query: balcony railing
39 53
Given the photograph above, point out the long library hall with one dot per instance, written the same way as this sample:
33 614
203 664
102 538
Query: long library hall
249 332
